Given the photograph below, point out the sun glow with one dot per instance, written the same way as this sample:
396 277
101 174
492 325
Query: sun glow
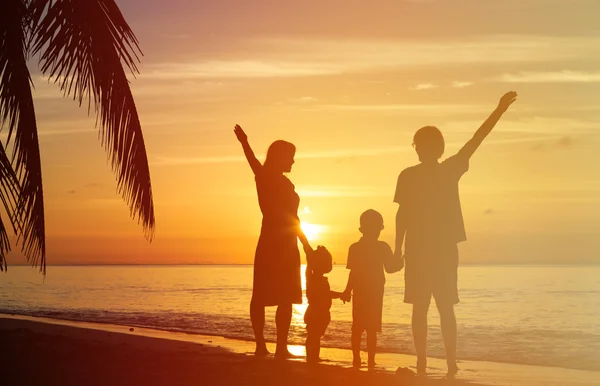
312 231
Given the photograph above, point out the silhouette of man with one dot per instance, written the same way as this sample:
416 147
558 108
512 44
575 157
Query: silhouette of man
429 224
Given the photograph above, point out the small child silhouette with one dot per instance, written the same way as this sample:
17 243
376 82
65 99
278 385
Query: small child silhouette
367 260
319 294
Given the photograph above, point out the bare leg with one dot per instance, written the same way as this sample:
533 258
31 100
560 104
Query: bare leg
371 346
313 345
448 324
419 328
257 316
356 340
283 319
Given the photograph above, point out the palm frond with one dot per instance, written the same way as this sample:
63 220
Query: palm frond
17 112
83 47
4 246
9 195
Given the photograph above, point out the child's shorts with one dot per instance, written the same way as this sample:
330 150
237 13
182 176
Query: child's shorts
367 310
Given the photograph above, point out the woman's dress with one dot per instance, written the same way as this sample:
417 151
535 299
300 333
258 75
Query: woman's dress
277 258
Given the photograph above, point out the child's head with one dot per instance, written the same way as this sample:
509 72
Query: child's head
429 143
371 223
321 260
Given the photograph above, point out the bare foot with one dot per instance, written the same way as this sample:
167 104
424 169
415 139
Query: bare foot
421 367
404 372
284 354
261 350
452 370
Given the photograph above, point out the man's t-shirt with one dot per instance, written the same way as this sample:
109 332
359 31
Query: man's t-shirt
428 193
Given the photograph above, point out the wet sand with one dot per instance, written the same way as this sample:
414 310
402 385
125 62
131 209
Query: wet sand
37 351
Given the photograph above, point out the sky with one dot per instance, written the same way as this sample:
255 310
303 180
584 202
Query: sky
348 82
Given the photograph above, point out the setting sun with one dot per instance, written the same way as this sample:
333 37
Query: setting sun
312 231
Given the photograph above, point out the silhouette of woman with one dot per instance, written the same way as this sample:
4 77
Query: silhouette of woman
277 259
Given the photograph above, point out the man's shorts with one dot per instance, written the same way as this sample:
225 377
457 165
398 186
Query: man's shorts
431 271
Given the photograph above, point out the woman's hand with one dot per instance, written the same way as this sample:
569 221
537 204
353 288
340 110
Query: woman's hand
240 134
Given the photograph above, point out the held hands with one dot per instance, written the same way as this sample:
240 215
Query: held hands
345 297
507 100
396 263
240 134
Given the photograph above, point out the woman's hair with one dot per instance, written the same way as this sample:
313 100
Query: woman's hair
279 152
429 142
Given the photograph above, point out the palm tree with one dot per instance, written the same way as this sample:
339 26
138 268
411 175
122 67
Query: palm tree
83 46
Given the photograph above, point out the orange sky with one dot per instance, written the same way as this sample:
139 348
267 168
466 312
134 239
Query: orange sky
347 82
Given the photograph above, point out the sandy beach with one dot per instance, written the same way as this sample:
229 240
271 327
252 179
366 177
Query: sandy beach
38 351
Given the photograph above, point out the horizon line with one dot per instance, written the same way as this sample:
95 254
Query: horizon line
562 264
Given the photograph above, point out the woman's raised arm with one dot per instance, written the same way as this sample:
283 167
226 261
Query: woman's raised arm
252 160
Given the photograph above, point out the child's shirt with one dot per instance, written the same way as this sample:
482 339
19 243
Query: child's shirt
318 294
366 260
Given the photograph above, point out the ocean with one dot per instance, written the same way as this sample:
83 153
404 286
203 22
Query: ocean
537 315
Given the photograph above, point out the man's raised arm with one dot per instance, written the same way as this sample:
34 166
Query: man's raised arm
487 126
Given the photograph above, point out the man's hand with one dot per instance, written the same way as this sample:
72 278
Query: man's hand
507 100
240 134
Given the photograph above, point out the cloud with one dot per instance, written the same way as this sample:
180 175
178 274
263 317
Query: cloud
296 57
489 211
339 191
551 77
565 141
49 133
431 86
424 86
459 84
166 160
251 68
327 154
409 108
71 192
305 99
105 201
538 125
178 36
541 147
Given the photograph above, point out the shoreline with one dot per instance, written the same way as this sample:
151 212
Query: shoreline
472 372
233 338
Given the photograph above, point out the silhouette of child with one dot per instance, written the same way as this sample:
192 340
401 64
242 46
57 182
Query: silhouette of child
367 260
319 294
